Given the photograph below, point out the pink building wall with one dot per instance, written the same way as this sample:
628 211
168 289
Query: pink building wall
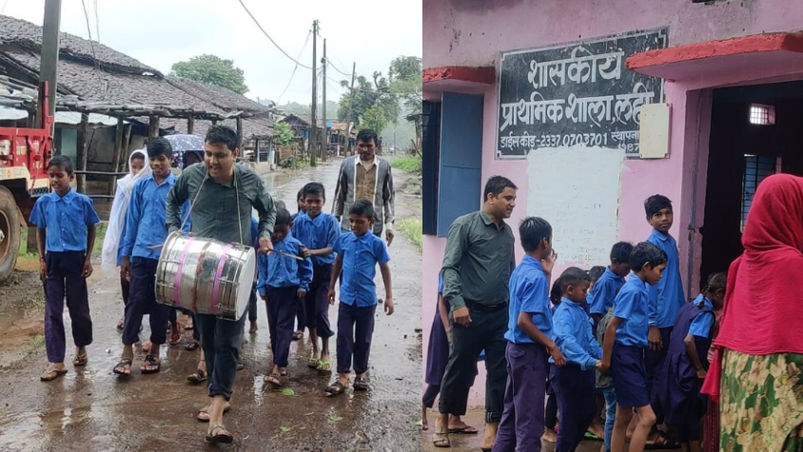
472 33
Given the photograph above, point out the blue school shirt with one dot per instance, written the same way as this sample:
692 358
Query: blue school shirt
666 297
573 335
145 222
360 256
631 305
529 292
315 233
66 220
701 325
279 271
604 291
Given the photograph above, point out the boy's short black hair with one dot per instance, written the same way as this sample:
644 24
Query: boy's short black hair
220 134
620 252
715 282
556 292
655 203
366 135
496 185
160 146
363 208
283 217
313 188
63 162
596 271
532 230
280 205
300 194
572 276
646 253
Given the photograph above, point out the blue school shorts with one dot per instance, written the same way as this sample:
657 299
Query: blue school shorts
629 375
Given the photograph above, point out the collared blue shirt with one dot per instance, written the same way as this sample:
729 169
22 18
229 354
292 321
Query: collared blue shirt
360 256
631 305
276 270
529 292
573 335
600 299
666 297
701 325
66 218
316 233
145 221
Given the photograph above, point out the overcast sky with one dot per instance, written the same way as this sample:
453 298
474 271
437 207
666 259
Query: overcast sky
160 33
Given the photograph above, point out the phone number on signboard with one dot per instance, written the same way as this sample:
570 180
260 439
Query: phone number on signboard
571 139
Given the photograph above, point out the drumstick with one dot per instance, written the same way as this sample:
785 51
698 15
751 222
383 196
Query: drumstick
298 258
153 247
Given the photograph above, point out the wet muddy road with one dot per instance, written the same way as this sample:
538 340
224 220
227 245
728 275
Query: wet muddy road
90 408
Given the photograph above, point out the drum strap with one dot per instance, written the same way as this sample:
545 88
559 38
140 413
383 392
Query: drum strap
194 200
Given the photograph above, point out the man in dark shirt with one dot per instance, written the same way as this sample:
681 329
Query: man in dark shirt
476 269
222 211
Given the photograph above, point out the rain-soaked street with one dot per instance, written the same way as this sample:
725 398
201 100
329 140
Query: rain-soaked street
90 408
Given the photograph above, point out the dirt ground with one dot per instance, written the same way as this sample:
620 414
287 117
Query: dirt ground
90 408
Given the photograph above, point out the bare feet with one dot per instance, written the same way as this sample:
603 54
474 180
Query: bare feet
550 435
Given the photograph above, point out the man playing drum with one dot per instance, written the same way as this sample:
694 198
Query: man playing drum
221 195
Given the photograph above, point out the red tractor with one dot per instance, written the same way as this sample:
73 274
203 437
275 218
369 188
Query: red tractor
24 154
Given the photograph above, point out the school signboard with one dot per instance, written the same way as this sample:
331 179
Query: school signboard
575 94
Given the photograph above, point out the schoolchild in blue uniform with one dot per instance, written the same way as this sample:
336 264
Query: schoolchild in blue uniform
625 342
144 230
604 290
301 316
574 382
283 283
666 297
318 232
686 364
551 409
529 341
358 253
65 235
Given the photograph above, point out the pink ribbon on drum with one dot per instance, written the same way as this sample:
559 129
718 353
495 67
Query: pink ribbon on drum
221 263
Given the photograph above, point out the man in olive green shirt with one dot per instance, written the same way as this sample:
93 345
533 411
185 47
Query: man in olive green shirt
476 269
221 211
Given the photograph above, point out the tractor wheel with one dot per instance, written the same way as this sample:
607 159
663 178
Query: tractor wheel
9 233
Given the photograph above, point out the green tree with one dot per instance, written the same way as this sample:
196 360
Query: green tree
406 81
212 69
284 133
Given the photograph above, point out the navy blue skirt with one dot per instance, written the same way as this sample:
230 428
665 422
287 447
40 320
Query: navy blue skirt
629 375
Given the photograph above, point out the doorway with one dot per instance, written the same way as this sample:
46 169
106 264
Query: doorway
755 131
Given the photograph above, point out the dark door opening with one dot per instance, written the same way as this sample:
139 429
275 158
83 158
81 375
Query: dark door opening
755 131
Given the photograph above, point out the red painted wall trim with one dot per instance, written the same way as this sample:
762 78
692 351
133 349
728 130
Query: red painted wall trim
482 74
767 42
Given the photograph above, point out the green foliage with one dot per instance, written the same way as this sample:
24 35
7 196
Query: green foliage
212 69
406 81
408 163
412 229
284 133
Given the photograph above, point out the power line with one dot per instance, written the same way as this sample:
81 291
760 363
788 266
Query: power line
279 100
271 39
329 60
97 21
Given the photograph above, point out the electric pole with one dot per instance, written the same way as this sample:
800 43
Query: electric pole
325 131
351 102
313 122
50 54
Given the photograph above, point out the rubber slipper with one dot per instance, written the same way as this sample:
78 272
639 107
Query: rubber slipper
324 366
192 346
335 388
441 439
465 430
152 365
80 360
361 383
198 377
274 380
313 362
203 414
52 374
219 434
119 368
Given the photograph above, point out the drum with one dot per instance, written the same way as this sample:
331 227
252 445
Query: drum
205 276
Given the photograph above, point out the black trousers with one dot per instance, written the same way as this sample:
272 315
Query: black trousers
486 331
